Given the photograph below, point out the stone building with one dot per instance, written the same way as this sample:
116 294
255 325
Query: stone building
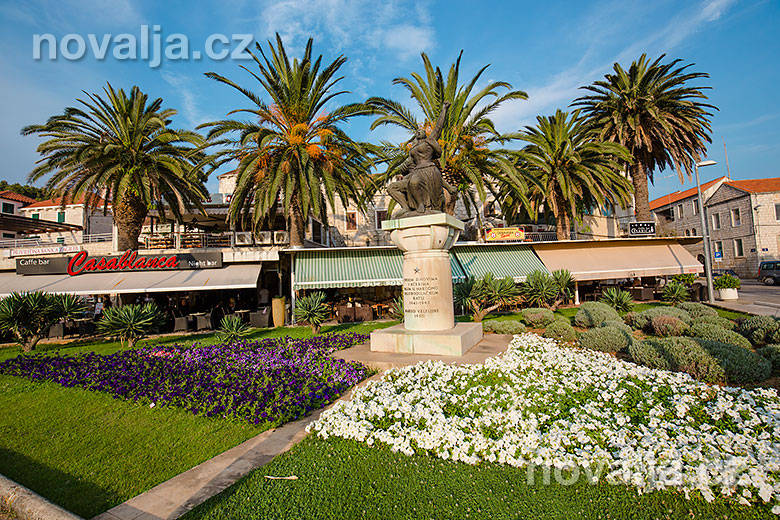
11 203
92 221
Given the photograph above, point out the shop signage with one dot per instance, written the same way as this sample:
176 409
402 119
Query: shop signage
82 263
43 250
504 234
641 229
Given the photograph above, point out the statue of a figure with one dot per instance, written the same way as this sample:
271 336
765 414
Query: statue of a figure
421 191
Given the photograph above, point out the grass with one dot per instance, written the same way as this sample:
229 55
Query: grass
345 479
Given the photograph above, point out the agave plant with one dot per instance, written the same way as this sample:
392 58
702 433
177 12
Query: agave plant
618 299
675 292
28 315
481 296
130 323
232 328
547 290
313 310
70 305
397 309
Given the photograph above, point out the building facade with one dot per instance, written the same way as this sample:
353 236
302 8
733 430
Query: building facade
11 203
91 220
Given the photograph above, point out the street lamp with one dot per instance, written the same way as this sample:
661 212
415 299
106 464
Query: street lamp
705 233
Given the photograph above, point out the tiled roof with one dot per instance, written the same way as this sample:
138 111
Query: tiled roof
57 202
756 185
681 195
18 197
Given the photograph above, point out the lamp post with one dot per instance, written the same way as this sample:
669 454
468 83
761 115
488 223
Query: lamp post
705 233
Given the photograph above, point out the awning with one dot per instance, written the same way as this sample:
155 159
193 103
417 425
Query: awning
353 267
513 261
27 225
610 260
235 276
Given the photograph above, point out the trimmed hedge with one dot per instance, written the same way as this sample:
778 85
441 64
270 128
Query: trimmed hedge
678 355
664 325
715 333
619 324
772 354
759 329
537 317
605 339
697 310
503 326
593 314
740 364
723 323
560 330
643 320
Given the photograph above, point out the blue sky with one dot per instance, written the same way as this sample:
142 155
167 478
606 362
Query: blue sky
548 49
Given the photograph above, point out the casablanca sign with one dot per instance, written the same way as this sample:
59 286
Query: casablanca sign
82 263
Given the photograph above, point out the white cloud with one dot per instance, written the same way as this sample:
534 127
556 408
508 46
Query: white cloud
190 102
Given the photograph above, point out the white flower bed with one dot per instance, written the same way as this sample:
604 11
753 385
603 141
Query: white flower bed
544 405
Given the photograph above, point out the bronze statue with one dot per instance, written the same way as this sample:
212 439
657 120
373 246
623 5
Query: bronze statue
421 191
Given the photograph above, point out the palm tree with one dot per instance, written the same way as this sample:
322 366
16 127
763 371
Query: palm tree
291 152
472 159
573 170
120 149
651 110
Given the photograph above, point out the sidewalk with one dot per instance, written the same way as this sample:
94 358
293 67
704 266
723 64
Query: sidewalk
750 306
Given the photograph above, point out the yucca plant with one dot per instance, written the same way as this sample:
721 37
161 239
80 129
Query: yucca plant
675 292
70 305
313 310
618 299
481 296
547 290
232 328
397 309
28 315
130 323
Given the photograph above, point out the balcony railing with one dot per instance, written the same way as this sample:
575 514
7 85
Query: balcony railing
23 243
192 240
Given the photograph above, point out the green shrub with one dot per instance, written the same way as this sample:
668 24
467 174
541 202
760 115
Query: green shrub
678 355
232 328
560 330
663 325
686 279
773 337
503 326
27 316
605 339
642 320
593 314
312 310
758 329
397 309
537 317
697 310
675 292
715 333
541 289
130 323
740 364
481 296
723 323
618 299
726 281
771 353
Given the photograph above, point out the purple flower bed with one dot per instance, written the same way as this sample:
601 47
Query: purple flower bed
266 381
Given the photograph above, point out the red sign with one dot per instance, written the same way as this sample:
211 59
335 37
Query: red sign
129 261
82 263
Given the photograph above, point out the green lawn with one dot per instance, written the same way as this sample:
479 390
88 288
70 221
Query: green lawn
346 479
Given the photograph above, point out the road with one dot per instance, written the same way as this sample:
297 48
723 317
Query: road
756 298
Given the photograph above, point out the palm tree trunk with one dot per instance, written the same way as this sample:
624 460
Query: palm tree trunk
641 193
562 224
296 226
129 215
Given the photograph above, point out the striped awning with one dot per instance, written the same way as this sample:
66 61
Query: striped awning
513 261
353 267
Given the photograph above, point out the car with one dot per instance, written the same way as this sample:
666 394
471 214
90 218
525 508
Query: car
769 272
720 272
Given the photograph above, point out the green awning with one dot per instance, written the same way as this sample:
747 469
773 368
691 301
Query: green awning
353 267
514 261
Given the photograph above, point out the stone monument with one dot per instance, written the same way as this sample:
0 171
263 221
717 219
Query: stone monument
425 234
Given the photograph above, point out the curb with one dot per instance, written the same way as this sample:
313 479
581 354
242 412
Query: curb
29 505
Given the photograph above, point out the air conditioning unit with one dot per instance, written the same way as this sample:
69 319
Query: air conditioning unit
243 238
265 237
281 237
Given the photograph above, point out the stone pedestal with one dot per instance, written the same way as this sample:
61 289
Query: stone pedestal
429 321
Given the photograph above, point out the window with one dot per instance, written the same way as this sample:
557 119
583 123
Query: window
61 217
381 216
316 231
716 221
8 207
696 206
687 232
777 212
36 216
351 220
8 235
61 240
736 218
738 250
680 211
717 247
693 232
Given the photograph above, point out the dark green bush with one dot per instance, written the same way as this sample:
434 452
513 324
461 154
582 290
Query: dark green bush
758 329
618 299
697 310
773 337
605 339
740 364
617 323
663 325
643 320
503 326
772 354
715 333
723 323
675 292
678 355
537 317
593 314
560 330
